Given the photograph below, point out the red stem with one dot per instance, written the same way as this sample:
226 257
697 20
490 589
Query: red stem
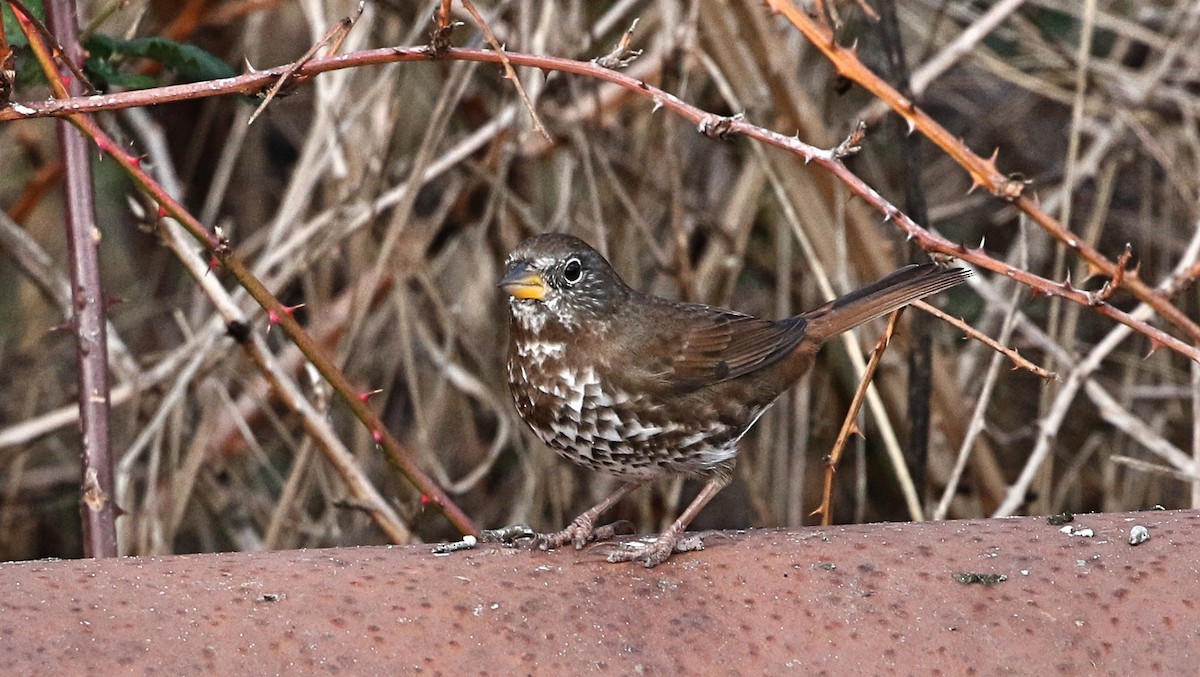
97 507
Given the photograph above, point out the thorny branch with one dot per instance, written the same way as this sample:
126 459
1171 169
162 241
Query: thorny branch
829 159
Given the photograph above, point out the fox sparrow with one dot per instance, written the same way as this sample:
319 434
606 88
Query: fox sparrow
640 387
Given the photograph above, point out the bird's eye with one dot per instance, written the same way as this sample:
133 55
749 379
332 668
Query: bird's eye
573 271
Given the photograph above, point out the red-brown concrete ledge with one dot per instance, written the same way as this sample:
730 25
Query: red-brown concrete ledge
867 599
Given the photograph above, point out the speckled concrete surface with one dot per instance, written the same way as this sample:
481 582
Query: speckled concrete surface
869 599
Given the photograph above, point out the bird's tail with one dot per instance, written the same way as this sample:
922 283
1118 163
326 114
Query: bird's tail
894 291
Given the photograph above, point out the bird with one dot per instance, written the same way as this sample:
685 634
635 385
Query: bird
643 388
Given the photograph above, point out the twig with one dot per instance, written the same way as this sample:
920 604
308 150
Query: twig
1146 466
439 39
983 172
849 426
1011 353
55 44
99 511
334 37
927 240
621 55
221 250
1121 419
875 404
277 374
976 423
509 73
1051 423
1114 284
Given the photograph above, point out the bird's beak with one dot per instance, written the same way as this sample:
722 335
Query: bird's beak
522 283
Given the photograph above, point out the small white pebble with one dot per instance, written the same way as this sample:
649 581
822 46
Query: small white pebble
1138 535
470 540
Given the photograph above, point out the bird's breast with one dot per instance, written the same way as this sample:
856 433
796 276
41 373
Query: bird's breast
592 416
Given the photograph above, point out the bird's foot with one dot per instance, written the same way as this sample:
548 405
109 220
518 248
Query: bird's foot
579 533
652 552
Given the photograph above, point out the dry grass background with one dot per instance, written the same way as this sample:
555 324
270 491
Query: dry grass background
430 173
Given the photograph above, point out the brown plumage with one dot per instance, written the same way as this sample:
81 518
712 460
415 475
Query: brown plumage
641 387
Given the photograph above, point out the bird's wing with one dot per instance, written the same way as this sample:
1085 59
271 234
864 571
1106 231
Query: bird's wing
717 345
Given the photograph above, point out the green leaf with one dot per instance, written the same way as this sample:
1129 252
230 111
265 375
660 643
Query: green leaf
190 63
12 29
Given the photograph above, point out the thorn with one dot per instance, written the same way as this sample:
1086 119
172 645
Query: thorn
111 300
364 396
162 212
1155 344
274 317
213 263
985 177
104 145
991 162
377 436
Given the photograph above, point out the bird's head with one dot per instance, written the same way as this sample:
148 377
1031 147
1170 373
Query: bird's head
560 278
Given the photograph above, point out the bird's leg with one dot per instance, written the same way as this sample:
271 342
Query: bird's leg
653 554
583 529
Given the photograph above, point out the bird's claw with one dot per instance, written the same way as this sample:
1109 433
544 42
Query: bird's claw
579 533
652 552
